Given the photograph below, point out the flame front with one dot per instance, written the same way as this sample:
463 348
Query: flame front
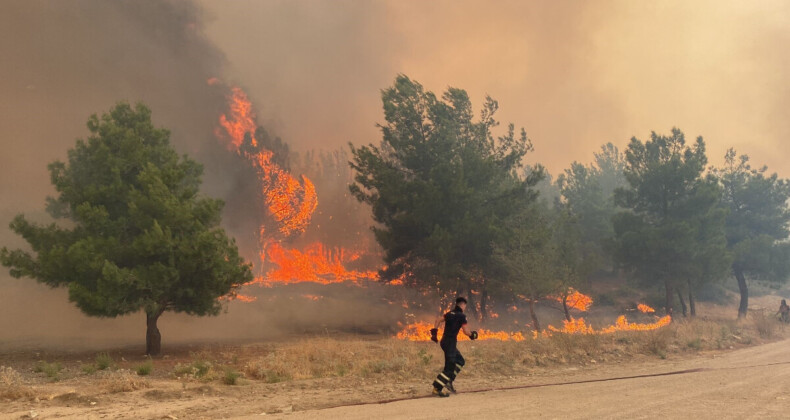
315 264
421 331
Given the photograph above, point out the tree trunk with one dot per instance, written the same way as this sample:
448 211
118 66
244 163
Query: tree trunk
483 302
470 305
153 340
682 303
670 297
744 306
565 308
535 323
692 306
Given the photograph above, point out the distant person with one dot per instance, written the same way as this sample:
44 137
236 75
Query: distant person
784 312
454 321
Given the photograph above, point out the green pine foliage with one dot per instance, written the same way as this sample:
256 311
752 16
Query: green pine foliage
133 231
671 231
757 222
440 185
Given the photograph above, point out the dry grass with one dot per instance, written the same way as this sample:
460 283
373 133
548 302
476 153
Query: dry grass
766 325
322 357
396 360
12 385
122 381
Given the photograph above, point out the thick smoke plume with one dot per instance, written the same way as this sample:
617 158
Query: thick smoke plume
576 75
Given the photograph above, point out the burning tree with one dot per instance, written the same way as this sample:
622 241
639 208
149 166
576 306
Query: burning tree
440 186
138 235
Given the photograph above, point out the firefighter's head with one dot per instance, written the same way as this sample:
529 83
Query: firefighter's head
461 303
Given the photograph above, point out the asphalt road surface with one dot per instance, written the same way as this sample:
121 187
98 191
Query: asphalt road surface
752 383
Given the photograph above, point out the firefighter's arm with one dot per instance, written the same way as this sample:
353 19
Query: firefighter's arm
472 334
435 330
439 322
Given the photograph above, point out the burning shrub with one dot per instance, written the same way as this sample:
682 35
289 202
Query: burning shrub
12 385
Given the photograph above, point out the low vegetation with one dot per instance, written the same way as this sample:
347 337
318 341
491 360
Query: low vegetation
51 370
104 361
12 385
121 380
146 368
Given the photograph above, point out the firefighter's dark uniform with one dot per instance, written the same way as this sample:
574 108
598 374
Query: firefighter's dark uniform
453 361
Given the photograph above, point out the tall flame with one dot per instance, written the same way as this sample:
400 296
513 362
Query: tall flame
290 202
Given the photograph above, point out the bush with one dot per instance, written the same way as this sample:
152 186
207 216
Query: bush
88 369
199 369
231 377
425 357
145 368
694 344
52 370
104 361
12 385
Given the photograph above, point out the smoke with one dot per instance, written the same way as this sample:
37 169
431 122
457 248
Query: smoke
575 75
66 60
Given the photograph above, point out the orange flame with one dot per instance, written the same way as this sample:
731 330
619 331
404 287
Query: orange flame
241 298
576 300
645 309
579 326
315 264
241 119
574 326
291 202
421 331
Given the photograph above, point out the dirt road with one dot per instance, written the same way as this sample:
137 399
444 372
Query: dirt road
752 383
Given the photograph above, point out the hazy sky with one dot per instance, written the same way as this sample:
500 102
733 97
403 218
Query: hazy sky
574 74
